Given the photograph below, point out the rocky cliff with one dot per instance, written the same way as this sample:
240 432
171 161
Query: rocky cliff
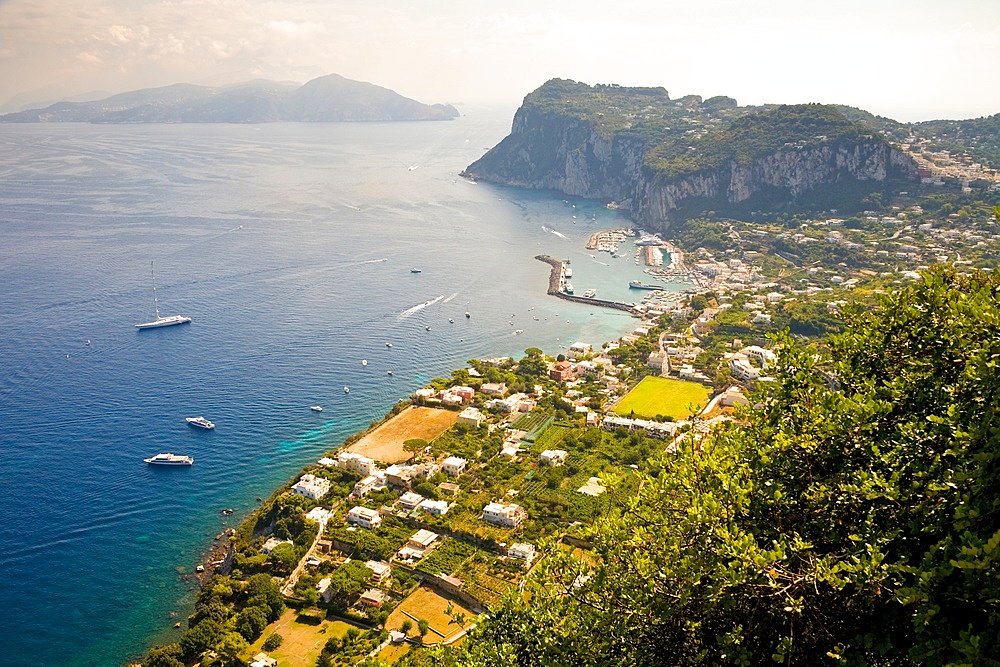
663 159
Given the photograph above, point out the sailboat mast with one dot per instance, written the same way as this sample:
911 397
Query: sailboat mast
156 305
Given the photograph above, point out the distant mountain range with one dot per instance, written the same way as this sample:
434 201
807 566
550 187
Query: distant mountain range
330 98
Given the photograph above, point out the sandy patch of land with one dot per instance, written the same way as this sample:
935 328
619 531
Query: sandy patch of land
386 442
304 638
428 604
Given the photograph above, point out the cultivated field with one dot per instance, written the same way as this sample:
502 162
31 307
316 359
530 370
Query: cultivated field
428 604
664 396
386 442
303 640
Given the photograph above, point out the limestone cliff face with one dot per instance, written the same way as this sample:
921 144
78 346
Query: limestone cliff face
553 151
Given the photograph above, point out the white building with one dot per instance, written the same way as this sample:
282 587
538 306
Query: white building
509 516
435 507
374 482
453 466
311 486
577 350
410 500
553 457
271 543
471 417
522 551
380 571
364 517
355 463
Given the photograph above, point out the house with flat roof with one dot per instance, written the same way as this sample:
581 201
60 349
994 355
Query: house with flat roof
508 516
471 417
435 507
380 571
311 486
553 457
271 543
421 539
453 466
364 517
410 500
522 551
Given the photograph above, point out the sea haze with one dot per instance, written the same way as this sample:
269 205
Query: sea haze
291 247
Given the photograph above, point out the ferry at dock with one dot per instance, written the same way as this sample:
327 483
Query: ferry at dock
638 284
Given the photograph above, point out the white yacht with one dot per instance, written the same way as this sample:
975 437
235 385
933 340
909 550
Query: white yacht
200 422
169 460
160 321
316 408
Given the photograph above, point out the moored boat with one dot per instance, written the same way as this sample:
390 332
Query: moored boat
169 459
160 321
200 422
638 284
590 293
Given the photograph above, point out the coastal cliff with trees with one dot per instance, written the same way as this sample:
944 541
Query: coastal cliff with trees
664 159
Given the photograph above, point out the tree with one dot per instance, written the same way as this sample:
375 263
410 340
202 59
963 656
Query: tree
251 622
199 638
406 626
423 627
230 647
165 656
273 641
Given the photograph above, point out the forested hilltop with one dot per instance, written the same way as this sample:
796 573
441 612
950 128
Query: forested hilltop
665 160
851 519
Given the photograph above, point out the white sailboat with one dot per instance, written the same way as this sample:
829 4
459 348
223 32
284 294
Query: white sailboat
161 321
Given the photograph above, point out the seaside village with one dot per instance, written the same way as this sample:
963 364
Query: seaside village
405 534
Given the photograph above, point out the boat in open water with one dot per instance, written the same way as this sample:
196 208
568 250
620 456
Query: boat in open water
316 408
160 321
169 459
200 422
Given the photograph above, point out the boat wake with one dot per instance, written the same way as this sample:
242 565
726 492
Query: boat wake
417 308
552 231
450 298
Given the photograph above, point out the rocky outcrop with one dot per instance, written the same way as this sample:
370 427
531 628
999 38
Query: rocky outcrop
553 150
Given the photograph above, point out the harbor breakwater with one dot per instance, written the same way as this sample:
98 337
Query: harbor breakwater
555 282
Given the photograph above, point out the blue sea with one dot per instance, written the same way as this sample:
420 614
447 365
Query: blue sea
291 247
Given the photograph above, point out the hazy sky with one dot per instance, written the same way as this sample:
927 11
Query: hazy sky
907 59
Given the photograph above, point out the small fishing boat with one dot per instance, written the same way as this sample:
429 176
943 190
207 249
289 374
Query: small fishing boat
316 408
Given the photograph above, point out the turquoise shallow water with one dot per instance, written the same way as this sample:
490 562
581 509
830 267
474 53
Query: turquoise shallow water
291 247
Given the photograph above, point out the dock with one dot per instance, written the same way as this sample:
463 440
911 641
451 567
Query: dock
556 281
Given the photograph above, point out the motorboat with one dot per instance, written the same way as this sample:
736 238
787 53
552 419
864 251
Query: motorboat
169 459
200 422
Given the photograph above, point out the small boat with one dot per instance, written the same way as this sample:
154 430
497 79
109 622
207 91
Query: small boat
388 372
414 270
451 320
590 293
428 327
468 314
347 389
169 459
160 321
364 362
518 331
388 344
200 422
316 408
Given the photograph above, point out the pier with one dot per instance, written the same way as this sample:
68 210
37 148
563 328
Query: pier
556 281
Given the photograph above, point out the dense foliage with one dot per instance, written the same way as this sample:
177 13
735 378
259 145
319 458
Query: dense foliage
853 520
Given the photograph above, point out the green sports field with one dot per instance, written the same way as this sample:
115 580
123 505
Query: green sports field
664 396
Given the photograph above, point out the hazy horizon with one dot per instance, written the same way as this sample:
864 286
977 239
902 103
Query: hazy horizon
909 60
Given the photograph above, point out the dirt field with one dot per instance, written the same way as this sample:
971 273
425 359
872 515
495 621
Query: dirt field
386 442
303 641
426 603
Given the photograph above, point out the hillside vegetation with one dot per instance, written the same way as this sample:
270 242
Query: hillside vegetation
853 519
